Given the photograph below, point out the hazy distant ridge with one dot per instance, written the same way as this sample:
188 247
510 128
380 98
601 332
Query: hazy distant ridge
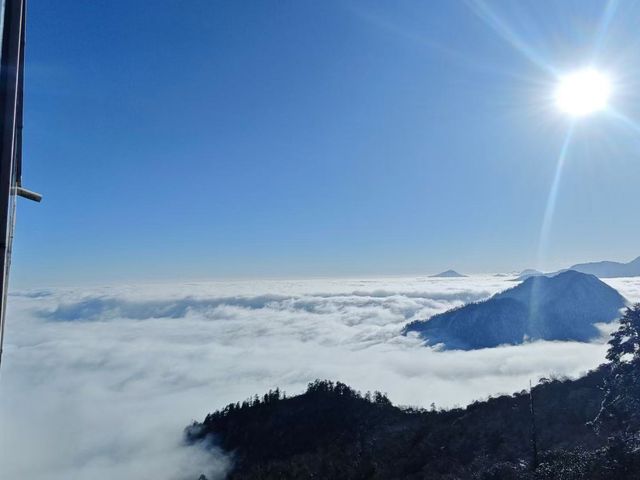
609 269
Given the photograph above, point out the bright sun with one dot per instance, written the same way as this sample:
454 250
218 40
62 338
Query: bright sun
583 92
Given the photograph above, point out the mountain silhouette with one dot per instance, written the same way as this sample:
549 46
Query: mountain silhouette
563 307
449 274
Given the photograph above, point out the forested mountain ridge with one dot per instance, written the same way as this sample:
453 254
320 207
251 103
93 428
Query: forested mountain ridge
566 429
563 307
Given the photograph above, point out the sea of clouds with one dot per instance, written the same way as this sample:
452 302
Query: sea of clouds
99 383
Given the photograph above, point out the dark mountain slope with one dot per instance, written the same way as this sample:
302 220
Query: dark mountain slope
562 307
331 431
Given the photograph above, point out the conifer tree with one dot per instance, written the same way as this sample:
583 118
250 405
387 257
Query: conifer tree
621 401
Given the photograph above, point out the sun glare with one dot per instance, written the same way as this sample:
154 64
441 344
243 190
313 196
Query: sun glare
583 92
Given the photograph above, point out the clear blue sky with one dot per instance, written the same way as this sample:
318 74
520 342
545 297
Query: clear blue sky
194 139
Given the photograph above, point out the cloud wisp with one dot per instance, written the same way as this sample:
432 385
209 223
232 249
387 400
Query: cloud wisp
99 383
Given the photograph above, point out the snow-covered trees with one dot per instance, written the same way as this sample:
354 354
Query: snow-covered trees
621 401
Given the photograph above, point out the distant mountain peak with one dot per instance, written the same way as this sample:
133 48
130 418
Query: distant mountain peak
561 307
449 274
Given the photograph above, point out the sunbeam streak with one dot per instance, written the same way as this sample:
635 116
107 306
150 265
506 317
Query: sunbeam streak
501 28
553 196
622 118
608 14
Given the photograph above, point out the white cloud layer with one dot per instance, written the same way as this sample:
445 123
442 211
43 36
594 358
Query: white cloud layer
99 383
